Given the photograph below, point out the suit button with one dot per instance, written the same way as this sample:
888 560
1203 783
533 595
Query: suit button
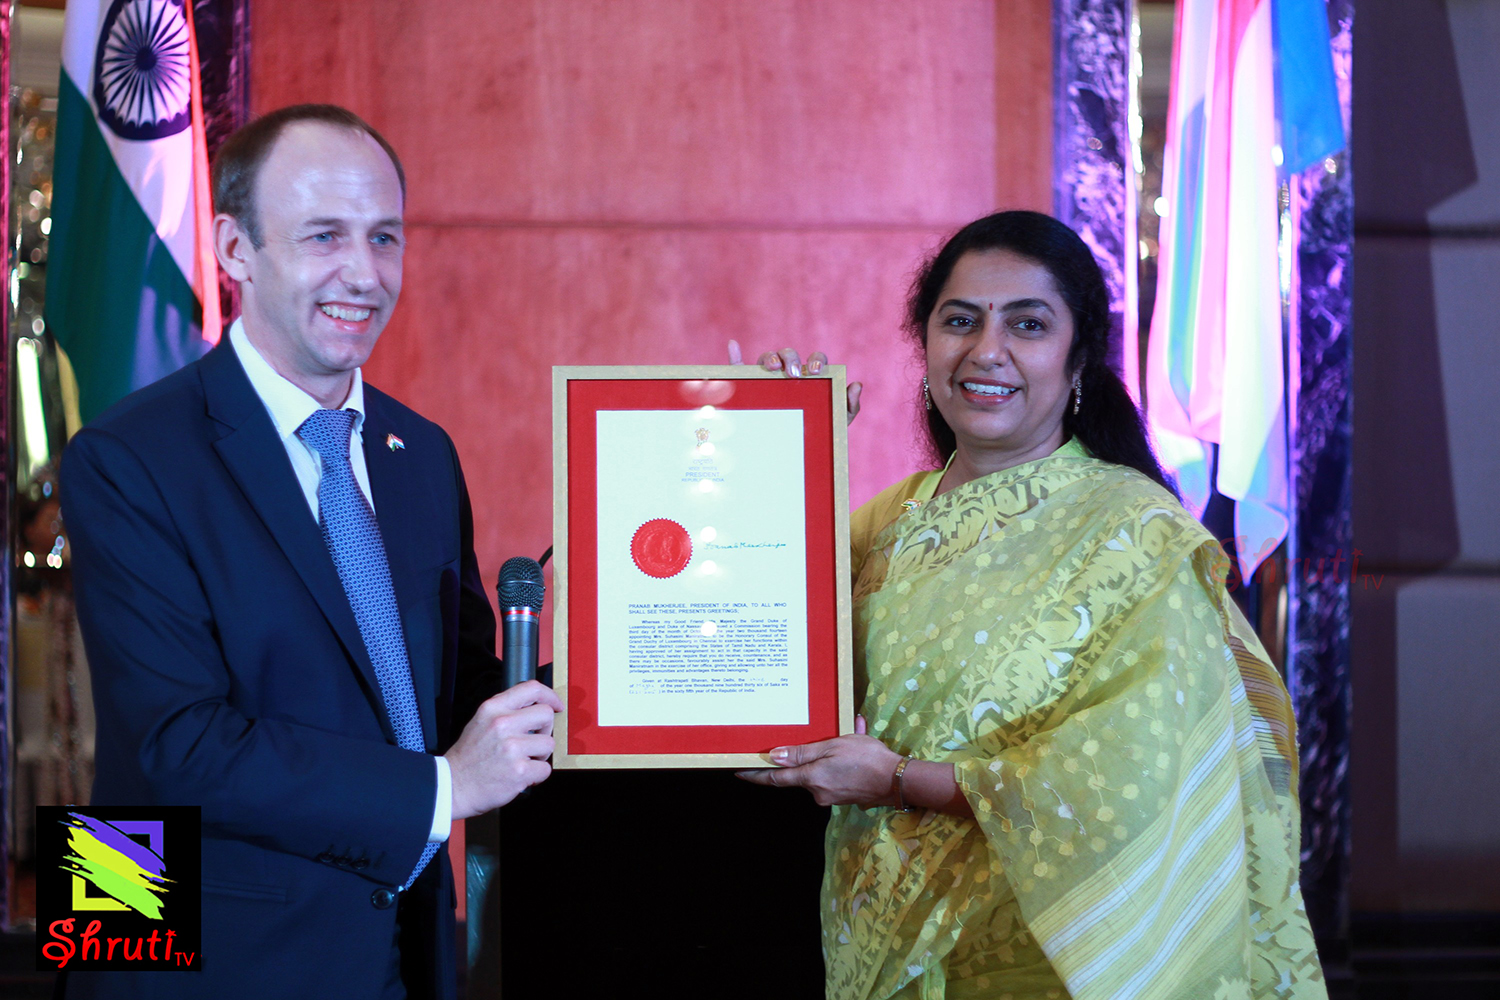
360 864
324 858
342 861
382 898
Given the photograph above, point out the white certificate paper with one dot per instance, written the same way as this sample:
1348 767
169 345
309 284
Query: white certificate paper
702 568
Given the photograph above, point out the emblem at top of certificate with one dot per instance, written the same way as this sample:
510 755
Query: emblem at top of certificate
703 471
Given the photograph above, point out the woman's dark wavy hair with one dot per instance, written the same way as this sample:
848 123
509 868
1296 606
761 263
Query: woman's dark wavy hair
1108 423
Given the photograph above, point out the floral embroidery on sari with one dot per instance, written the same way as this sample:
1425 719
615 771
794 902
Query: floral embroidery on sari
1060 632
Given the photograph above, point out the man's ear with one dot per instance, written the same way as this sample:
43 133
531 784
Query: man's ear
232 246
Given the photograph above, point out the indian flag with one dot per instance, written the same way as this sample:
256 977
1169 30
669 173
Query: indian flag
1214 361
132 285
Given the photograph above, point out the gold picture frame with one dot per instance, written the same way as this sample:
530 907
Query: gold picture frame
686 378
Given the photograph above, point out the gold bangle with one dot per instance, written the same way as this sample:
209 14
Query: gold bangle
899 778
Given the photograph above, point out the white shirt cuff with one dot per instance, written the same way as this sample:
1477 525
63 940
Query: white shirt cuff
442 811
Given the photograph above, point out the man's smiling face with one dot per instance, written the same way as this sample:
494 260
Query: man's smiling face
320 288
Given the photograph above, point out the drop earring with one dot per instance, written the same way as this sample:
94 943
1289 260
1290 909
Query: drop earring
926 394
1077 395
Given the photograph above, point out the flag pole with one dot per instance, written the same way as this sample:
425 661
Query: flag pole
206 269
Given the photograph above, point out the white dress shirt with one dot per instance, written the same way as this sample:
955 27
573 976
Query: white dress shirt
289 406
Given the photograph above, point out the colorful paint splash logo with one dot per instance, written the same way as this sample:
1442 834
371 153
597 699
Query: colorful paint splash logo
127 874
108 899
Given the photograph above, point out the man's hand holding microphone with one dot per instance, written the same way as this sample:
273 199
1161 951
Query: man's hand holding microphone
504 748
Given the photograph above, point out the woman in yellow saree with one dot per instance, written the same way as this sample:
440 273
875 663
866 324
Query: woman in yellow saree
1075 772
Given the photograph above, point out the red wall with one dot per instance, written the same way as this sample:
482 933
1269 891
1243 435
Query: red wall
637 181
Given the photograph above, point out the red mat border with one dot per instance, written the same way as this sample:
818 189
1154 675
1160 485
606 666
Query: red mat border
585 398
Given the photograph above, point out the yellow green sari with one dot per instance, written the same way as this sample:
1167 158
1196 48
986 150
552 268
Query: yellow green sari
1060 633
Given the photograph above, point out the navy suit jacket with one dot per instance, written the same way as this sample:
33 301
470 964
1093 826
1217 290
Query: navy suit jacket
228 673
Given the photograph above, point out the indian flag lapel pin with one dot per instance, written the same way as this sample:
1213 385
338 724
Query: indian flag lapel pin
394 443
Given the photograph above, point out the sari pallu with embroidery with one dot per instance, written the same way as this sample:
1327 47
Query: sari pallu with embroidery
1060 632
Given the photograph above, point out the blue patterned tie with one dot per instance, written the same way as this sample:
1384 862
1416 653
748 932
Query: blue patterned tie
353 539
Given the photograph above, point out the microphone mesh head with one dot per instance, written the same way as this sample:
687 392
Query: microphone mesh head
521 584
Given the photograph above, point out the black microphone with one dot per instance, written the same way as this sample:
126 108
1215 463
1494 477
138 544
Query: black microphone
520 591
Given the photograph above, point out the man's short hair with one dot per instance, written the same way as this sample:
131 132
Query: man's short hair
238 162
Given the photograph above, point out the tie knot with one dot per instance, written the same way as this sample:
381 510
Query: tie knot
327 432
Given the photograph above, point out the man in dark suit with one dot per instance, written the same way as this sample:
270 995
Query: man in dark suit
281 604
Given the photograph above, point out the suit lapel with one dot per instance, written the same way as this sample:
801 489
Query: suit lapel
255 457
400 512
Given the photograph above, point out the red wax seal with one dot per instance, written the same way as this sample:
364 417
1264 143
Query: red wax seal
661 548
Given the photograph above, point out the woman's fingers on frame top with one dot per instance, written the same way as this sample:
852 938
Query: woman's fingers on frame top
789 361
786 359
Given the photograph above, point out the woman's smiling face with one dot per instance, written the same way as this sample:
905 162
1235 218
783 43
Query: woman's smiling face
997 352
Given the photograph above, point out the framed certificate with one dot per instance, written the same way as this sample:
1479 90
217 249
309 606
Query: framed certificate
702 611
